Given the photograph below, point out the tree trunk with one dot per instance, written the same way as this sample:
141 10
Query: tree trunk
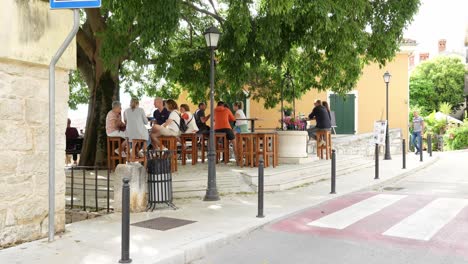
94 150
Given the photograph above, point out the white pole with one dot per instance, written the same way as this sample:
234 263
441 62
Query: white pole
58 54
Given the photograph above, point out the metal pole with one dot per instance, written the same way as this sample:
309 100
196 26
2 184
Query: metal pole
404 153
429 144
376 177
421 149
125 222
333 172
53 62
282 106
387 135
260 188
294 94
211 191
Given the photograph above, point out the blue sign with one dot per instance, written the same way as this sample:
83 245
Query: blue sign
70 4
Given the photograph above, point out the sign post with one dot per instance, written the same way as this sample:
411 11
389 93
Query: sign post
57 4
74 4
380 130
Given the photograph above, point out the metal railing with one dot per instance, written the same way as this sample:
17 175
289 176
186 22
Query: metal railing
96 189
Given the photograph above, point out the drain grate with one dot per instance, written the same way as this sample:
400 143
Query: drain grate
163 223
393 188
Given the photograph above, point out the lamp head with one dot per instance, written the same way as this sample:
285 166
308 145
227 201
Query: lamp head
212 36
387 77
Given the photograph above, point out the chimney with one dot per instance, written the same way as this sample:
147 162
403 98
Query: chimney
423 56
442 44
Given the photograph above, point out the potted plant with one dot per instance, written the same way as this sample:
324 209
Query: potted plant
288 111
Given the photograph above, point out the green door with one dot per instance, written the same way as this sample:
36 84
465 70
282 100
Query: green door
344 112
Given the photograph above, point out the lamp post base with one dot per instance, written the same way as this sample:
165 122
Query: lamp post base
211 195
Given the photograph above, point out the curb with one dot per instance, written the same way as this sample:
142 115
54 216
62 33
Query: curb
378 186
199 249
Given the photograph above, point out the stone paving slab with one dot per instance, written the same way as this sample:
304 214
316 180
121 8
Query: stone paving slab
97 241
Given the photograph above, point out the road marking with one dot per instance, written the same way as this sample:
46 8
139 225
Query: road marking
427 221
350 215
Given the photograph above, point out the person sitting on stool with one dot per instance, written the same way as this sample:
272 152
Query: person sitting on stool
320 114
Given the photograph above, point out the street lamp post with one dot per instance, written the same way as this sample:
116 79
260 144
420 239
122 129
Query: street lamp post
387 156
212 36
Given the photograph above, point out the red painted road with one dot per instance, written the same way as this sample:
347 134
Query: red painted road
450 239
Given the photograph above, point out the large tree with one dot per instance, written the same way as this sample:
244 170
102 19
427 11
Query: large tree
158 47
437 81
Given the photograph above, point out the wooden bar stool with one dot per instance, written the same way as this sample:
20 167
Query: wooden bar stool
245 149
266 148
170 142
275 154
113 158
138 145
324 135
204 146
222 147
184 139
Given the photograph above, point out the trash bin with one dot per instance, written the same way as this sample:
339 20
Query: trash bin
159 178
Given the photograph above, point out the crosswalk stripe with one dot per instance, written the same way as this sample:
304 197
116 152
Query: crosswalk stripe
427 221
350 215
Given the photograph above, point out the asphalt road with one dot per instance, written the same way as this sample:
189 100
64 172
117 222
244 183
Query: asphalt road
422 219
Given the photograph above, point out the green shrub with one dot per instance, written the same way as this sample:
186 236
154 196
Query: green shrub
457 137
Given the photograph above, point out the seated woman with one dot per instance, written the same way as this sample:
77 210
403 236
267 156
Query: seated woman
188 118
169 128
115 127
241 125
136 120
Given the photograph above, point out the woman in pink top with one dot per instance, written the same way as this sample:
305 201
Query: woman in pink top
115 127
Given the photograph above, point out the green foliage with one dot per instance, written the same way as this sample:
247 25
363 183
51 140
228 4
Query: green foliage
435 126
79 93
445 108
437 81
157 46
457 137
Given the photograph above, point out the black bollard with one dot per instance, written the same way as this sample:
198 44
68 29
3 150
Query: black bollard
421 149
404 153
376 177
260 188
429 145
333 172
125 222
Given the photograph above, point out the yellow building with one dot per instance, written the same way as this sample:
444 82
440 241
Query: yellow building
363 105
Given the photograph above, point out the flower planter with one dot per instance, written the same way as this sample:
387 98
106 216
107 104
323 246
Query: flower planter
292 145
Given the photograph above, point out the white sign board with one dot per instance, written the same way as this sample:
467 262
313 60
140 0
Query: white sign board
72 4
380 129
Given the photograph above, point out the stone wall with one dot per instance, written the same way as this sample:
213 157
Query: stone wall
24 151
362 144
30 34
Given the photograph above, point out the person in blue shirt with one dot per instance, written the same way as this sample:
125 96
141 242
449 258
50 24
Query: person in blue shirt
160 114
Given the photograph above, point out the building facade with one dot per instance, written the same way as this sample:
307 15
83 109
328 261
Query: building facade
30 34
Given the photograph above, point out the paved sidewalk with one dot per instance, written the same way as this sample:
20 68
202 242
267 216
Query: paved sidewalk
97 241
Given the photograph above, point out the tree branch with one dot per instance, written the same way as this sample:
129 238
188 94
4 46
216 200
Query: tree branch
96 21
212 5
206 12
192 31
86 43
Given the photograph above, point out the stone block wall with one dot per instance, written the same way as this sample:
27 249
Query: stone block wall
30 34
361 144
24 150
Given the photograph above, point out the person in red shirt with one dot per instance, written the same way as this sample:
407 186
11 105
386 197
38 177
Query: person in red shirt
222 117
